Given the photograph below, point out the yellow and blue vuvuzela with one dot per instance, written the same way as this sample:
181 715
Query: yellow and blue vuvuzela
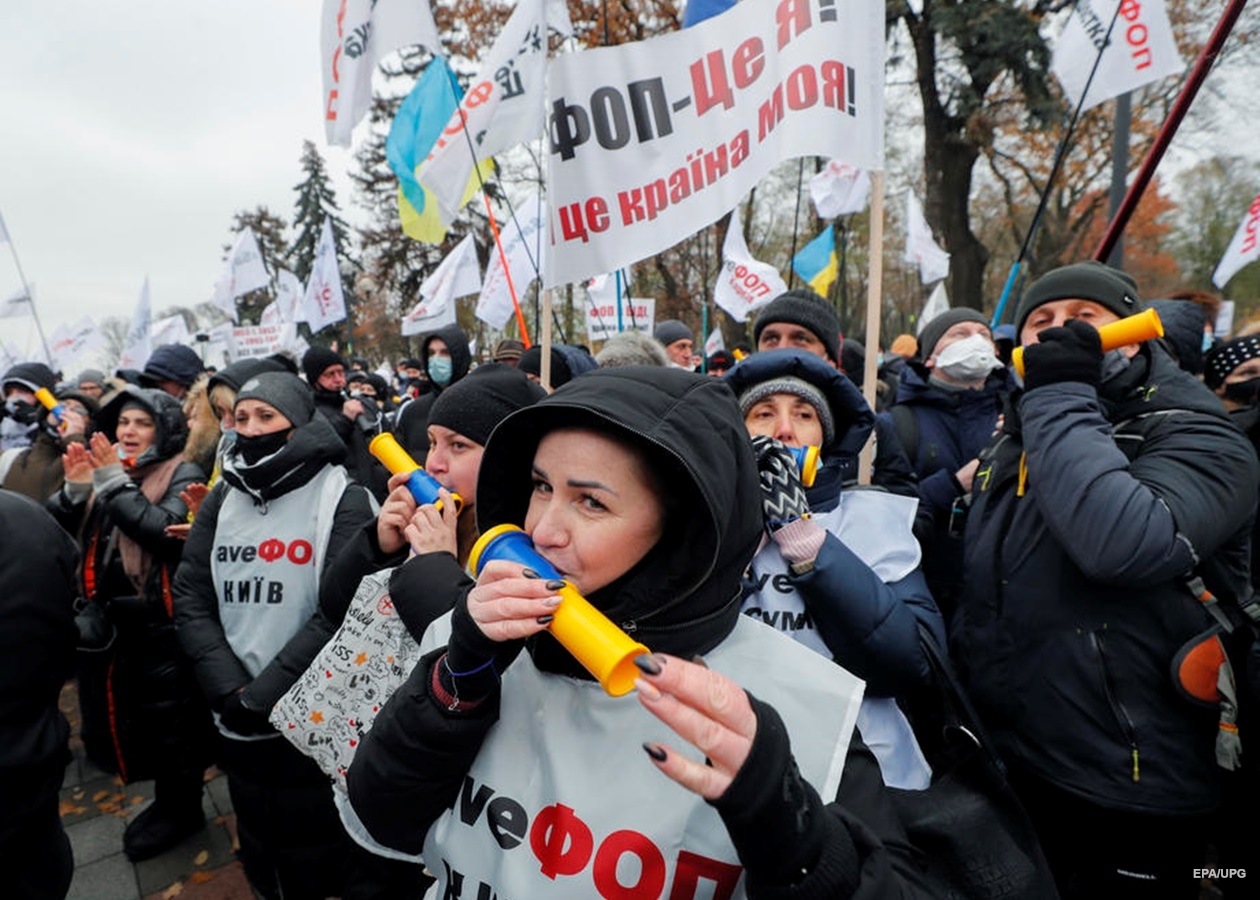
817 263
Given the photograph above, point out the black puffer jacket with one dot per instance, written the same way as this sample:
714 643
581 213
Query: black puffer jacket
683 598
1075 602
142 712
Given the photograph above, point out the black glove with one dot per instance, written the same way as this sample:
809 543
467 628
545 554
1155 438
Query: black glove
236 717
783 497
473 663
1071 353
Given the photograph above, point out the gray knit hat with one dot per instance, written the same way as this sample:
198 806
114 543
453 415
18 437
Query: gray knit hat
287 393
790 384
936 327
671 330
807 309
1111 288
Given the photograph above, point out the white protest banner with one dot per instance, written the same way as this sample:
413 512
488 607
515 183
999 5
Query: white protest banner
171 330
458 275
502 108
71 344
522 238
17 304
937 303
288 302
1244 248
651 141
921 249
354 35
839 190
270 314
744 284
1142 49
714 342
637 314
324 303
137 346
261 340
1224 325
243 271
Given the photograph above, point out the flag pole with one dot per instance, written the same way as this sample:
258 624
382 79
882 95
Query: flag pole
1203 65
507 272
544 367
874 303
30 299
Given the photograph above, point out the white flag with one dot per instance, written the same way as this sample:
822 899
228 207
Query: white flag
1244 248
136 346
921 249
16 304
324 303
354 36
522 238
714 342
744 284
172 330
271 314
288 296
458 275
937 303
71 344
243 271
4 232
1141 49
502 108
839 189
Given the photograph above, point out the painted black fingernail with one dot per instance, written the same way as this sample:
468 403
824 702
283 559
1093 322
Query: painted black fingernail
653 750
699 661
545 620
529 573
554 584
648 664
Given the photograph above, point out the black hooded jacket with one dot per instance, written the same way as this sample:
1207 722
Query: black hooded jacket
411 425
1076 599
683 599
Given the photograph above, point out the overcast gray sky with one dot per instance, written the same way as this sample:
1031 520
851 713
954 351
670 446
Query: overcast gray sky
131 132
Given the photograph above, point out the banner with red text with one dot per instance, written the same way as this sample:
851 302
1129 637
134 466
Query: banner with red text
1243 249
653 140
262 340
637 314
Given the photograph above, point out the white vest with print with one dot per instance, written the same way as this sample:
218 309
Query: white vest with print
266 562
562 802
878 528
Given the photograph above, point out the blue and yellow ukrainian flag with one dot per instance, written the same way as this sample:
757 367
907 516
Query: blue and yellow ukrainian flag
416 128
817 263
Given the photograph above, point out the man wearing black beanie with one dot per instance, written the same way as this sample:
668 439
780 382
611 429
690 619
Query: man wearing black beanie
325 372
1115 494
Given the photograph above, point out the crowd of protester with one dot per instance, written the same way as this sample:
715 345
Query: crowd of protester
1057 544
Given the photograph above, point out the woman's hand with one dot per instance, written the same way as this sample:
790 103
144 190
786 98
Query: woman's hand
102 452
76 462
395 516
431 531
704 708
193 495
510 602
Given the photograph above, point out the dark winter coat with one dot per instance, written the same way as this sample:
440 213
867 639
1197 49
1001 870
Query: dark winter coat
947 429
219 672
361 465
681 599
411 425
1076 603
142 713
37 471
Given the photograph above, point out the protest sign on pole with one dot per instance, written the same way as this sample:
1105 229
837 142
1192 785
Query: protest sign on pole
637 314
262 340
651 141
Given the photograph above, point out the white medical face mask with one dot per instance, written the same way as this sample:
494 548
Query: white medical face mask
970 359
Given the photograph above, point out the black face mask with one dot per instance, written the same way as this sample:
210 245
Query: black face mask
24 413
1244 393
253 449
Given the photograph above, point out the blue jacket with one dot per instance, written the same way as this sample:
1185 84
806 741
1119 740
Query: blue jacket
1076 599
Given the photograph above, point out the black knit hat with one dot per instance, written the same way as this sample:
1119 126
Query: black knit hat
317 360
936 327
172 362
807 309
1111 288
1225 358
291 398
31 375
474 405
235 374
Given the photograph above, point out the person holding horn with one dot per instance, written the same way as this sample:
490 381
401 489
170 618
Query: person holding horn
514 773
1115 486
